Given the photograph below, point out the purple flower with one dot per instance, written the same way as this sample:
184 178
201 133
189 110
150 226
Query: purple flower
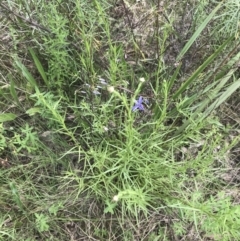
138 104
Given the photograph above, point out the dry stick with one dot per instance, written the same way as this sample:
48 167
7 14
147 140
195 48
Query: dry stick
131 26
129 21
157 29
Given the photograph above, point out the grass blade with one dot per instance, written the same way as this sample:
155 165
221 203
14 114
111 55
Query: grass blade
26 74
201 68
208 99
197 33
7 117
173 78
39 66
225 95
16 196
13 91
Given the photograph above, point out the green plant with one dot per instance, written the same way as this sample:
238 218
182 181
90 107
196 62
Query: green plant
42 222
106 139
230 16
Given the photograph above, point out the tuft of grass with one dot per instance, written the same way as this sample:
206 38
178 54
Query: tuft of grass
78 161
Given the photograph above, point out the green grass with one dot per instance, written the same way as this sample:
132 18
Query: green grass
77 163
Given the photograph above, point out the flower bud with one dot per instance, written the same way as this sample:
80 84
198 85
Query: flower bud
115 198
110 89
142 79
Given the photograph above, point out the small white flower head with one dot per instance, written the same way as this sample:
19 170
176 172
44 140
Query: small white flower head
115 198
142 79
105 128
110 89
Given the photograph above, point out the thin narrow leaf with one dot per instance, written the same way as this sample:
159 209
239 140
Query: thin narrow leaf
16 196
13 90
173 78
225 95
33 111
230 64
197 33
26 74
201 68
213 94
7 117
39 66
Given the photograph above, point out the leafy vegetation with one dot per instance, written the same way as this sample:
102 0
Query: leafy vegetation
113 123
